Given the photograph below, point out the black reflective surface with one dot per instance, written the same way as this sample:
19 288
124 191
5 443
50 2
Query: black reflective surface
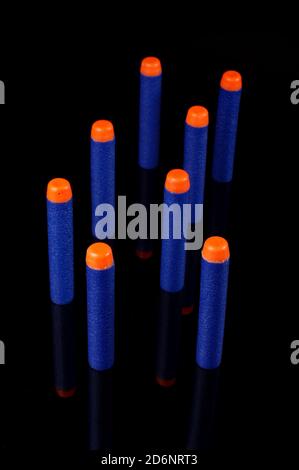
45 129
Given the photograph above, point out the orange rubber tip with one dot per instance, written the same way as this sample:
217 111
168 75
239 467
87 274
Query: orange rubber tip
65 393
165 382
215 250
231 81
187 310
59 190
102 131
144 255
197 116
151 67
99 256
177 181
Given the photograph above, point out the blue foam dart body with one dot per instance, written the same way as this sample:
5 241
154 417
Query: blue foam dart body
100 317
195 152
102 167
173 250
61 251
149 121
213 291
225 135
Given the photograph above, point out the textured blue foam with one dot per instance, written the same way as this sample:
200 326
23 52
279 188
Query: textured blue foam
213 291
102 169
60 247
149 121
173 250
195 152
100 317
225 135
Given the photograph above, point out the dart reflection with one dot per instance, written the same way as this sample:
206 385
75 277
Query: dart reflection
100 409
64 361
201 431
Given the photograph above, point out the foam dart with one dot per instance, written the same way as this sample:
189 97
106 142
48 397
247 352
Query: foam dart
149 142
60 241
149 112
226 126
195 153
102 168
64 350
172 272
212 307
100 306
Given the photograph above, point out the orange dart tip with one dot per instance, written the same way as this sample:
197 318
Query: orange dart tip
102 131
151 67
177 181
197 116
215 250
59 190
231 81
99 256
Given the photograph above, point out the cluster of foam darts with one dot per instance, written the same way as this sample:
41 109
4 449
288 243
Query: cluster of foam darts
178 267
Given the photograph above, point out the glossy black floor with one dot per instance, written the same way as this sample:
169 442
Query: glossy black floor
45 129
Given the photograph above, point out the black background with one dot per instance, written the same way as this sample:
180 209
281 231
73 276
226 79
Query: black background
45 127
